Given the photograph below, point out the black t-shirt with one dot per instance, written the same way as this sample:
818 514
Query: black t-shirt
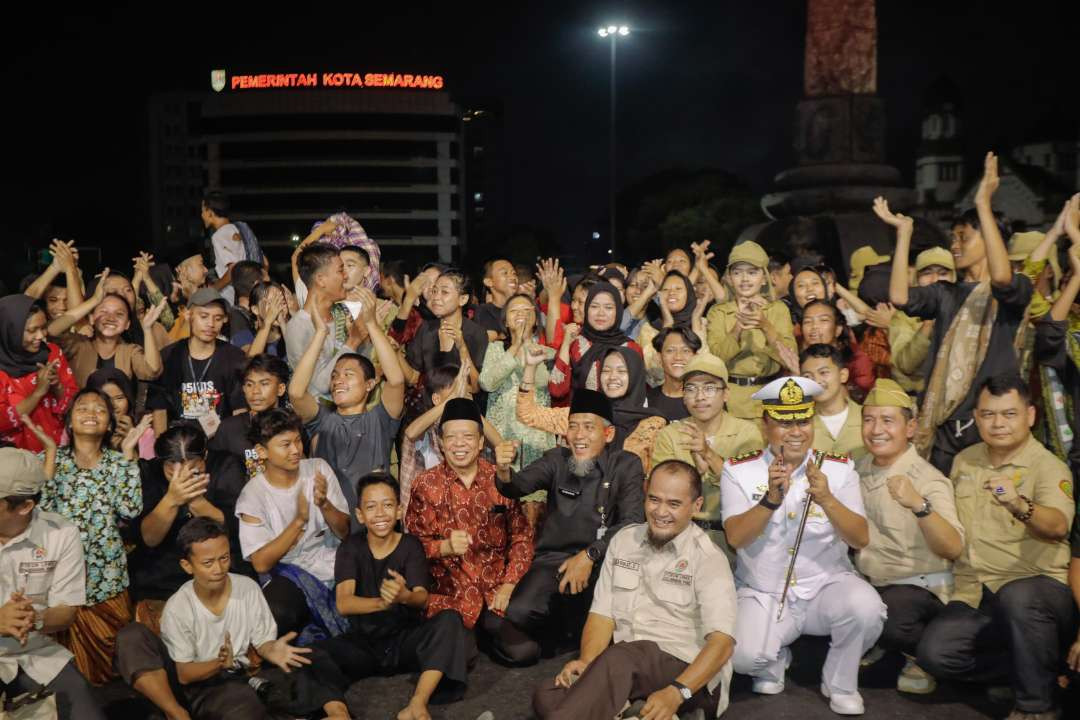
187 387
489 317
355 562
232 437
423 353
155 572
671 408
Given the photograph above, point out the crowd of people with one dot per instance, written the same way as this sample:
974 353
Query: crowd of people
241 494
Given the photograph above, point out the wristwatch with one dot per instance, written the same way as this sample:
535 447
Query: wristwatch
39 620
683 690
766 503
926 509
593 554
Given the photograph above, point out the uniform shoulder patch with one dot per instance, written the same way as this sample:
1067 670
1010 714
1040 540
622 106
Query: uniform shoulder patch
838 457
735 460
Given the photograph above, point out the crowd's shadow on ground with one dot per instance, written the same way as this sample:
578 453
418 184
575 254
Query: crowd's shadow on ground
507 693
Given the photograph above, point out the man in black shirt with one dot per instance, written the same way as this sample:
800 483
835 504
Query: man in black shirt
500 281
382 581
265 379
593 492
201 377
975 320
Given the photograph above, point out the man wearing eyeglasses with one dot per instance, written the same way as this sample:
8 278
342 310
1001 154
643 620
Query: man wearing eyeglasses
707 437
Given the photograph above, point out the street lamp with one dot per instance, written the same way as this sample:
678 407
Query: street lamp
613 32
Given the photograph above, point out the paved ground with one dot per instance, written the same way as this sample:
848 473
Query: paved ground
507 692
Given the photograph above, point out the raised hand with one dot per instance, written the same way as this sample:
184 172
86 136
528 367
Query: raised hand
368 304
990 180
99 291
318 491
904 492
131 437
534 354
284 655
505 452
1072 219
897 220
152 314
819 484
779 479
185 485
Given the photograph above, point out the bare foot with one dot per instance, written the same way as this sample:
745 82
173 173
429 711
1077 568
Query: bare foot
336 711
414 711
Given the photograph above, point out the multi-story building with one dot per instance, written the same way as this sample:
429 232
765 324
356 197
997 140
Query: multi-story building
292 149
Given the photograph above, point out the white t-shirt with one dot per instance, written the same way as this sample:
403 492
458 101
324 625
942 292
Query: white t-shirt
833 423
194 634
227 250
275 508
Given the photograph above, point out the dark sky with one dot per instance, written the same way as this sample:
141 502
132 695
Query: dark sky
701 83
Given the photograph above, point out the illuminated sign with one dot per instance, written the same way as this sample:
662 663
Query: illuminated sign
219 81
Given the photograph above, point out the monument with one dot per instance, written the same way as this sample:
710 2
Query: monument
839 142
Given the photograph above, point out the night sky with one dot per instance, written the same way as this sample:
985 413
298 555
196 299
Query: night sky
701 84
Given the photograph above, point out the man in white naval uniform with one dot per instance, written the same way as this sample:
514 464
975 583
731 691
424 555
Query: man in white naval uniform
762 496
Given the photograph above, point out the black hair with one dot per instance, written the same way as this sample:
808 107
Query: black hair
109 430
182 441
777 260
272 422
679 466
823 351
121 298
999 385
366 365
689 337
377 477
971 217
684 251
461 280
439 378
394 269
269 364
806 268
245 275
491 263
587 281
196 530
260 290
217 202
506 320
312 259
14 501
839 316
359 251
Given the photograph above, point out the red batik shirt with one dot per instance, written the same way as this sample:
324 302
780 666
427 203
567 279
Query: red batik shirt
502 539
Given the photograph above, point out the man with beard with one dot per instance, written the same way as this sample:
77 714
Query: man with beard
666 597
593 492
765 495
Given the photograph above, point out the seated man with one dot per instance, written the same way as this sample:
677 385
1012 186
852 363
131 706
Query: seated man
42 582
292 519
1011 615
478 543
198 668
666 597
914 532
353 439
708 436
382 587
837 418
593 492
765 495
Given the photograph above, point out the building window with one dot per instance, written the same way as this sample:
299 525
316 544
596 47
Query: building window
478 197
948 172
477 150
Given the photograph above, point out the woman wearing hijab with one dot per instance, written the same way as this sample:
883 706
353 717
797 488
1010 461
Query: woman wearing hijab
679 307
622 380
35 380
578 363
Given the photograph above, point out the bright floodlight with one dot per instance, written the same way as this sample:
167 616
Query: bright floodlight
623 30
603 32
612 29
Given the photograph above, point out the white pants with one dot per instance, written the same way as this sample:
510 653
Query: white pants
848 609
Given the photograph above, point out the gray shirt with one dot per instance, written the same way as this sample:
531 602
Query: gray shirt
354 445
298 334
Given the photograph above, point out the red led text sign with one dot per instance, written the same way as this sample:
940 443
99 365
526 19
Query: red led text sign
325 80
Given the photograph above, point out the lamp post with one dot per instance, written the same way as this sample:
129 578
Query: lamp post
613 32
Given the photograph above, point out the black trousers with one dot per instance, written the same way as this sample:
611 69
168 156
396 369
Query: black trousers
302 692
1019 633
535 602
74 701
911 609
287 604
626 671
439 643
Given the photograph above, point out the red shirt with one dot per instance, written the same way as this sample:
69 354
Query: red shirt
49 413
561 382
502 539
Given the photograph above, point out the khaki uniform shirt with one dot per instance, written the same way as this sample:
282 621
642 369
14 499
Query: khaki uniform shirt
908 348
674 596
898 550
849 441
748 354
735 437
999 548
46 564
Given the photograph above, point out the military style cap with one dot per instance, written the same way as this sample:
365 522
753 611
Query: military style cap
934 256
706 362
888 393
1023 244
861 259
749 252
789 398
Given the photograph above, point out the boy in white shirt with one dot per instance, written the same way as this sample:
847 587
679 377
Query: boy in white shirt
207 628
293 516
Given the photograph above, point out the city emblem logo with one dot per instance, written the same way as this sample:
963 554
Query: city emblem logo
681 566
217 80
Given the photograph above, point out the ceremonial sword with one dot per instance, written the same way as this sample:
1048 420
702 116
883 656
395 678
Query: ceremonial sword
820 458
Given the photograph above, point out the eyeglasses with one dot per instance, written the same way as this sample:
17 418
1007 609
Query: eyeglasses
708 390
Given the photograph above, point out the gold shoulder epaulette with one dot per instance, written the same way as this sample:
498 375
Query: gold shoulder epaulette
744 457
838 457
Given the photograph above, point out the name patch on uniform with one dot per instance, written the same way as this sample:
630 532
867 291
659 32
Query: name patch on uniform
628 564
677 578
36 568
